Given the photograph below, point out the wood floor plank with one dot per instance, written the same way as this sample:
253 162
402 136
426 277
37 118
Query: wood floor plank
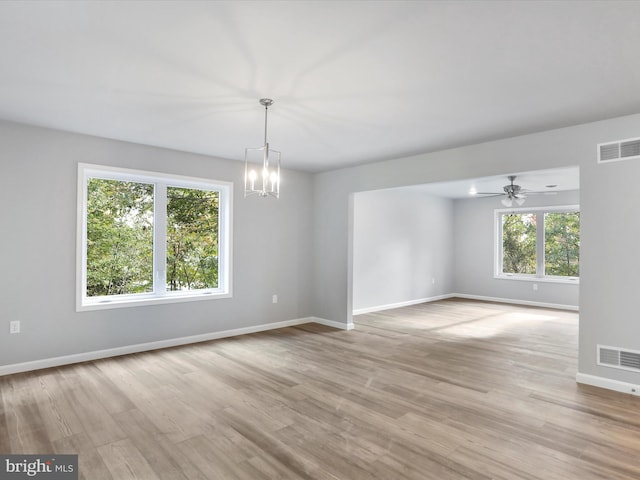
97 423
57 413
147 439
112 398
449 390
5 444
125 461
26 429
91 466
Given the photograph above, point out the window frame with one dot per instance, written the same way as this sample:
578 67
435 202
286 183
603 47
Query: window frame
161 181
540 275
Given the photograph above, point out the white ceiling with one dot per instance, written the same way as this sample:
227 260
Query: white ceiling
550 180
353 81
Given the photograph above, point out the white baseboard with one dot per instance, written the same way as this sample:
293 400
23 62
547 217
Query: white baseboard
332 323
389 306
172 342
558 306
608 383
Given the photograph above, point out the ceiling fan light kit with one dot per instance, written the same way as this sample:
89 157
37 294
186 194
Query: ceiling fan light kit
508 202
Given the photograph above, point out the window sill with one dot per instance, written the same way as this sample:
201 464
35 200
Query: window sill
533 278
138 301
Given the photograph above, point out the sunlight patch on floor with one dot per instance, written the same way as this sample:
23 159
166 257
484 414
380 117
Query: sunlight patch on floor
492 326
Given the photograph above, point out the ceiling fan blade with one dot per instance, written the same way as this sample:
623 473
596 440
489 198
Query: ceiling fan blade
527 192
489 193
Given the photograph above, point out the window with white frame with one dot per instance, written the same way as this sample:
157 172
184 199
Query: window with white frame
146 237
538 243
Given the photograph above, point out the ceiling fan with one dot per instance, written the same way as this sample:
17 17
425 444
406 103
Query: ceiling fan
513 193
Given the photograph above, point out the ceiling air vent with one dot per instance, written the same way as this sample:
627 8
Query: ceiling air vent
619 358
619 150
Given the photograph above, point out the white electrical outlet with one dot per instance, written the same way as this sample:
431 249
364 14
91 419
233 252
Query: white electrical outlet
535 287
433 281
14 326
274 299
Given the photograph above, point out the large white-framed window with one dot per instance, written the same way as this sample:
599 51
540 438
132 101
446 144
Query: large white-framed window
146 237
538 244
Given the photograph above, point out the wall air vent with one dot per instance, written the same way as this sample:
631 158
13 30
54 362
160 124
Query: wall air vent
615 357
619 150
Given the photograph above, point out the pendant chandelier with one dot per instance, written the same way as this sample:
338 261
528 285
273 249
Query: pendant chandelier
263 181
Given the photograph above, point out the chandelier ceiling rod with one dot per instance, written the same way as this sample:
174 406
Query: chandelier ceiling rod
267 102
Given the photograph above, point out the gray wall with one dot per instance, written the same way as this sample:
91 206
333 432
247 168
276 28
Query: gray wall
402 241
314 221
38 179
609 259
474 248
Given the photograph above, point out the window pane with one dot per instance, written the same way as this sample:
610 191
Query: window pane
192 239
119 237
519 243
562 244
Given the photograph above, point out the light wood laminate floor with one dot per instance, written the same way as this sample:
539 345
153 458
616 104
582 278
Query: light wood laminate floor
454 389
